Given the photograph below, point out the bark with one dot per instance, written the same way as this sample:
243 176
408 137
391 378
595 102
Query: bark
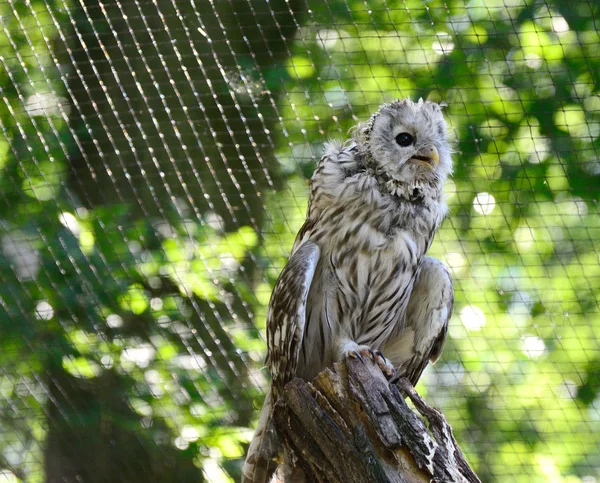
350 425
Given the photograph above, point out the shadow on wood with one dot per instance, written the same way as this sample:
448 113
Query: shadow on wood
350 425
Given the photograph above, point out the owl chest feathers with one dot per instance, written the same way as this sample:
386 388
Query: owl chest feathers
372 255
371 246
355 219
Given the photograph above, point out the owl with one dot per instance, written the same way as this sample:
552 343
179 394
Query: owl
358 282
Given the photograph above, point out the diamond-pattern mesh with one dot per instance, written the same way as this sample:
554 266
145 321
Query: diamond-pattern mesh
154 158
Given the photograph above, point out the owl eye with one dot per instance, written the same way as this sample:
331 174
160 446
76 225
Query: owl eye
404 139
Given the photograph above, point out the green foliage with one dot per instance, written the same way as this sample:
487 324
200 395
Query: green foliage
130 324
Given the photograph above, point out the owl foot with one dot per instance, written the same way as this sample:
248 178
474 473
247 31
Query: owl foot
355 351
384 364
352 350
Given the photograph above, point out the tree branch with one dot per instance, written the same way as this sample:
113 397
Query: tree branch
350 425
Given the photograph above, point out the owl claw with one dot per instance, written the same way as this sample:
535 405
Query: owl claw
370 353
375 356
386 366
355 355
352 350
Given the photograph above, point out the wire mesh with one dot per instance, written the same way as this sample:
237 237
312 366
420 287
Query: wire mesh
154 159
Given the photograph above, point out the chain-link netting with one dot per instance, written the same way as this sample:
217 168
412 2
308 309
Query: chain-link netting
154 157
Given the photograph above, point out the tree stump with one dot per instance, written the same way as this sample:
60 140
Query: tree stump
350 425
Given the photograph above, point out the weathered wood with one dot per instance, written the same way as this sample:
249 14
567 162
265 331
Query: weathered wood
350 425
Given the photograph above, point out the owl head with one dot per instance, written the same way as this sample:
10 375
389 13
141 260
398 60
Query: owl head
406 145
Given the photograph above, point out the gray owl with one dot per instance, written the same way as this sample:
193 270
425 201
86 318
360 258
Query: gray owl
358 282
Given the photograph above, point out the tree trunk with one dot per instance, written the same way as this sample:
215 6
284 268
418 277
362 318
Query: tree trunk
350 425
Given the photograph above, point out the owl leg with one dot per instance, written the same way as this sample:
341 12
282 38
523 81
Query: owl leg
420 338
349 348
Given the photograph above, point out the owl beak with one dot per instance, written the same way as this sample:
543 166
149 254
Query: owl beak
429 157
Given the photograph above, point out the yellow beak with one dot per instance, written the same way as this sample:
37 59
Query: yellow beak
434 156
429 157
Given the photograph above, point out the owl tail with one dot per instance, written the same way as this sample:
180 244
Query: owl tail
259 465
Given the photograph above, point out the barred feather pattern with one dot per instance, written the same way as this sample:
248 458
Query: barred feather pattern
358 275
285 331
371 247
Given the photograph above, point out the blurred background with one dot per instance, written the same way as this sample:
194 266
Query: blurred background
154 158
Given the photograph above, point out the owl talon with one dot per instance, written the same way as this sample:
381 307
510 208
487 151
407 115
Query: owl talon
385 365
354 351
376 356
355 355
370 353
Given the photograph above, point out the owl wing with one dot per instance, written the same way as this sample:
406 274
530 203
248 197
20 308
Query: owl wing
286 316
414 367
427 315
